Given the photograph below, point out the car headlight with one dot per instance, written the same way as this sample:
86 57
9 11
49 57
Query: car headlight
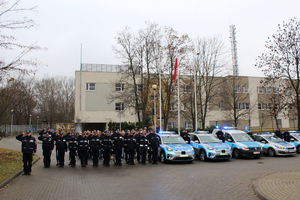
169 148
279 147
245 148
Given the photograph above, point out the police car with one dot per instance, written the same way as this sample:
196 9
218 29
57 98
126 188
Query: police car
240 142
174 148
295 140
207 146
273 145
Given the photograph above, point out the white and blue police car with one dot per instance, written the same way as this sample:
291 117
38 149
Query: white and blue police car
273 145
241 143
295 140
207 146
174 148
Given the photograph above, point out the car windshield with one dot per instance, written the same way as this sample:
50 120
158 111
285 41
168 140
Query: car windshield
274 139
297 136
242 137
172 140
208 139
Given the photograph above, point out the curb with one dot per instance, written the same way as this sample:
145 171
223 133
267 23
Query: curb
10 179
257 190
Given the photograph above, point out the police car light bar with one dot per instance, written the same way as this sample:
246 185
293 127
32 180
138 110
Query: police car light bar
166 132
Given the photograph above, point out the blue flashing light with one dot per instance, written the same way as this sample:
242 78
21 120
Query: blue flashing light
217 126
293 131
166 132
225 127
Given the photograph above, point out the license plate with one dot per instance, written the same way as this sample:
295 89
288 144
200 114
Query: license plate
256 152
222 154
183 155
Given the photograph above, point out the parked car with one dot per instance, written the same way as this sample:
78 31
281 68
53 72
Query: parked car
273 145
295 140
206 146
174 148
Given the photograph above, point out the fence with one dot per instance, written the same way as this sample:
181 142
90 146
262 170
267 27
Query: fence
13 130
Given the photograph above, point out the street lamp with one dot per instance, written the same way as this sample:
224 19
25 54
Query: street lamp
154 87
29 122
37 122
11 124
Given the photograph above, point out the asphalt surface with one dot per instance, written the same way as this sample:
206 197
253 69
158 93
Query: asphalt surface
232 179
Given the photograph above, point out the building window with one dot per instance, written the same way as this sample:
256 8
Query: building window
289 91
246 106
139 88
237 106
276 107
90 86
279 122
269 106
236 89
171 124
246 89
260 106
184 107
189 125
290 106
172 107
120 87
119 106
268 90
276 90
259 90
186 89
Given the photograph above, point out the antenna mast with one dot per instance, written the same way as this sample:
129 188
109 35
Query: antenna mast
233 42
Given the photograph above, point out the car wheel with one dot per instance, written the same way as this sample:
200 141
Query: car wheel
236 153
271 152
202 156
162 157
298 149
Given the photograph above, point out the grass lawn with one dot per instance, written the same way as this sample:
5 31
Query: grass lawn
10 163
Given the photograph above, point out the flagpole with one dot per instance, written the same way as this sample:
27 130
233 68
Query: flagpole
178 103
195 91
160 93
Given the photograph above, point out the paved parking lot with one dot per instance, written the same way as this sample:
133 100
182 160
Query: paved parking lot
201 180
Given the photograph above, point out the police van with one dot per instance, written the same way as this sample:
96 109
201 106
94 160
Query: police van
207 146
174 148
240 142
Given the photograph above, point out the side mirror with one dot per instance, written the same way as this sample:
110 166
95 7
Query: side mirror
292 140
265 142
186 142
230 140
197 141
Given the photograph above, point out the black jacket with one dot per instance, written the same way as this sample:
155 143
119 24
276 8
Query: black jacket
48 142
154 140
83 143
61 143
28 143
73 143
106 142
94 142
117 141
143 142
131 142
286 136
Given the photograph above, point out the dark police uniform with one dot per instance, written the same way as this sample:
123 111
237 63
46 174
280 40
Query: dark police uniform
220 135
95 145
278 134
286 136
83 147
125 147
154 144
106 146
47 146
73 146
61 147
131 145
28 148
118 143
184 134
138 154
143 146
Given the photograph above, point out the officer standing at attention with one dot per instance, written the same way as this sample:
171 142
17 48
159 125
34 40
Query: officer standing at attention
61 147
220 135
185 136
137 137
106 146
125 146
278 133
95 146
73 146
47 146
143 146
286 136
131 145
83 147
28 149
154 143
118 143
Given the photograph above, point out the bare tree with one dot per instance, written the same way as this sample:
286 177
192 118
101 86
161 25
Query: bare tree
282 60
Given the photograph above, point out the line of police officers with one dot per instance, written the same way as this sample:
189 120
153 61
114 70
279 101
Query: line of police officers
92 144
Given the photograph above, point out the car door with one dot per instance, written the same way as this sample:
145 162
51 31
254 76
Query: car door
194 144
229 140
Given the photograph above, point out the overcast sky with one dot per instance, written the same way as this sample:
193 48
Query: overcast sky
66 24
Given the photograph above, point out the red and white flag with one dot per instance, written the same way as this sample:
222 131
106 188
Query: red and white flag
175 72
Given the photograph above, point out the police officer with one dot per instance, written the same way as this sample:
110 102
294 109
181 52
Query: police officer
125 146
220 135
73 146
28 149
83 147
184 134
143 146
154 142
278 133
286 136
137 136
45 131
47 146
118 143
251 134
94 143
131 145
106 146
61 147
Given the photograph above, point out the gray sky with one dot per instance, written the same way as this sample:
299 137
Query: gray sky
65 24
